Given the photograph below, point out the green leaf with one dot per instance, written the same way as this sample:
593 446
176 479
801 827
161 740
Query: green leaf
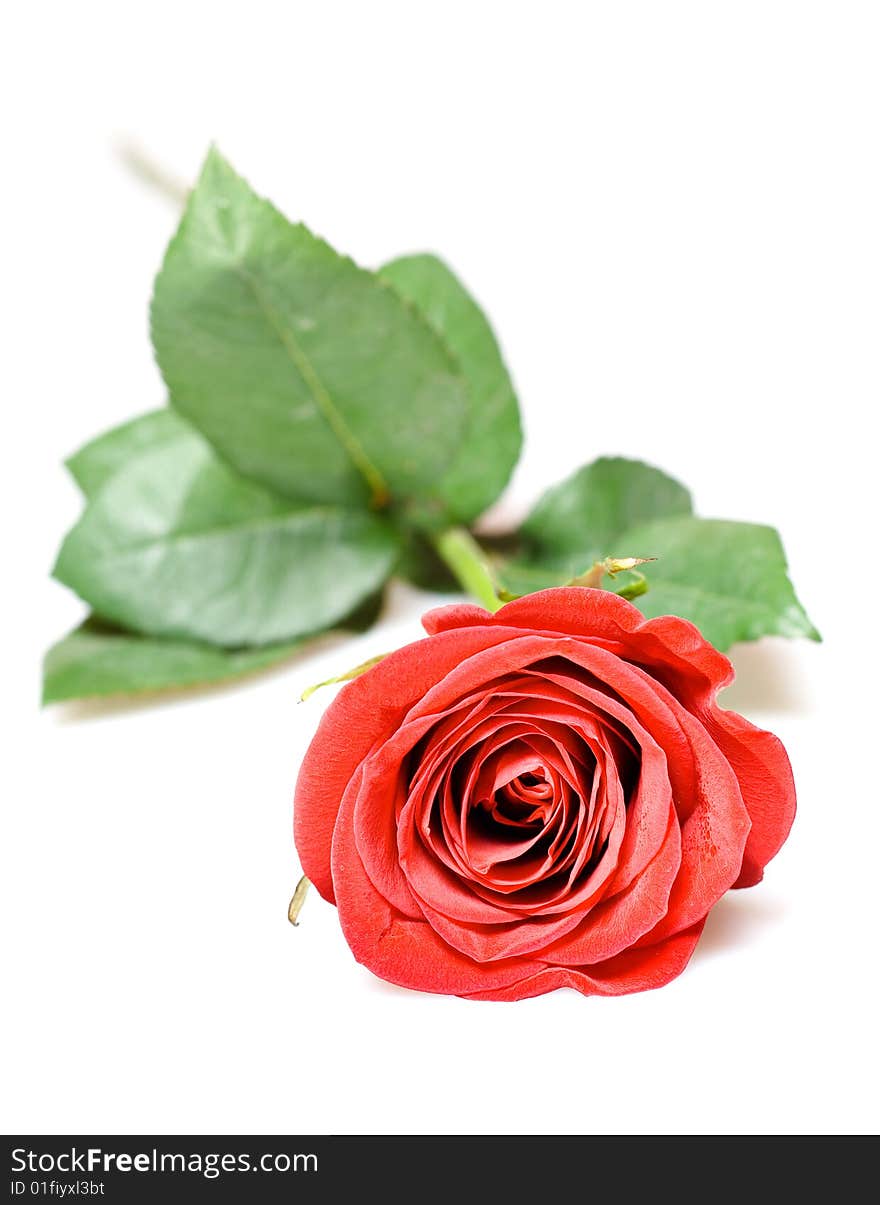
176 544
307 373
730 579
99 459
97 659
493 440
586 517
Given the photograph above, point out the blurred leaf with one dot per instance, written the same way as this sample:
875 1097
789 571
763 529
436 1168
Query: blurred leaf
586 518
730 579
97 659
492 442
100 458
307 373
176 544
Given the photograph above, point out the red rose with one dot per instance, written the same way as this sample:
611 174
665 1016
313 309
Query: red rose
545 797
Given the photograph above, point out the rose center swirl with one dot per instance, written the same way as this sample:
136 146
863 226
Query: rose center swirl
522 798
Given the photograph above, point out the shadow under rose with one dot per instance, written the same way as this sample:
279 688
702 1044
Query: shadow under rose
384 988
769 677
736 917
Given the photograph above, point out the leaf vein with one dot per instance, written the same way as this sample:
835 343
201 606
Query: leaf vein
321 395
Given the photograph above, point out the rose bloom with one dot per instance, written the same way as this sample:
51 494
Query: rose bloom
544 797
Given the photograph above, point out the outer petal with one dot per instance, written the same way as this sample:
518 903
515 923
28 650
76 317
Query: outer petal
603 618
365 712
757 757
637 970
456 615
761 764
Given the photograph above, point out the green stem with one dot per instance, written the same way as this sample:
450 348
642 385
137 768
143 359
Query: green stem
464 557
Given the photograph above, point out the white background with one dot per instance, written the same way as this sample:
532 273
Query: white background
670 212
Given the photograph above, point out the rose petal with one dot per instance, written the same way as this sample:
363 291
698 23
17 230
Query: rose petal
617 922
639 970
